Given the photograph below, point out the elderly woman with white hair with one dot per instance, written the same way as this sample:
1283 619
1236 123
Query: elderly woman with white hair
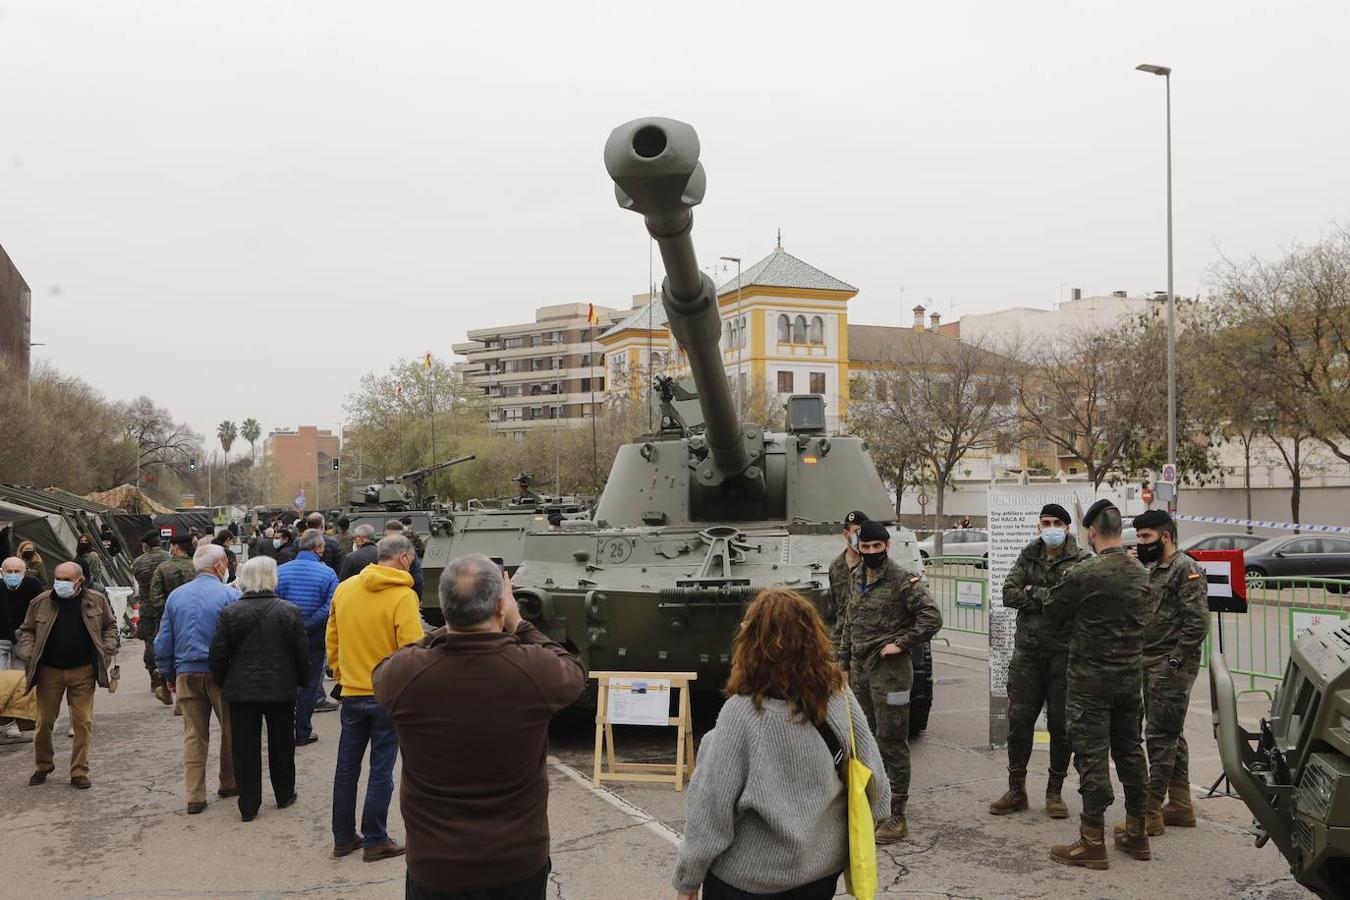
260 658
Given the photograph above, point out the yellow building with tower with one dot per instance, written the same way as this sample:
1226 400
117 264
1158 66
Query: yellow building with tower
784 330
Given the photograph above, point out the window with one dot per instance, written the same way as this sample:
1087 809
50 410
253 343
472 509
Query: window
512 414
785 385
817 382
881 391
817 333
799 330
513 342
1306 545
784 330
726 336
1331 545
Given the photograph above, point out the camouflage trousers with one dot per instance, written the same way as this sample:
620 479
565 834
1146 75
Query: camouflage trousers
146 631
1167 695
1036 680
1106 722
883 686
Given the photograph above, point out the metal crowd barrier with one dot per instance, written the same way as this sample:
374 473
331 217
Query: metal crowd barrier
959 586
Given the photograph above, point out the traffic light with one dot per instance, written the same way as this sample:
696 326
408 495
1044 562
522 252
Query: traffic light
336 463
192 462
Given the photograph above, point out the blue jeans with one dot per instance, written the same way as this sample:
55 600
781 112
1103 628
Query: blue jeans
308 695
364 721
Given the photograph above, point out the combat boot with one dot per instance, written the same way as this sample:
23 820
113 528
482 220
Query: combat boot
1015 800
1089 851
1055 806
1153 821
1180 810
894 827
1133 838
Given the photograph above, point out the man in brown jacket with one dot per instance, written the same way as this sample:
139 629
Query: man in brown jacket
471 703
67 640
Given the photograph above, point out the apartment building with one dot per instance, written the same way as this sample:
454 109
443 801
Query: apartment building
543 373
16 309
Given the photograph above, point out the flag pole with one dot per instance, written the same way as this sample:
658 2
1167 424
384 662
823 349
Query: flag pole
592 320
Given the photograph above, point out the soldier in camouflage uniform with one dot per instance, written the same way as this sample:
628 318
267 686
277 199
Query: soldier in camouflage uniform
843 571
889 612
171 574
411 534
143 570
1176 630
1104 601
1036 673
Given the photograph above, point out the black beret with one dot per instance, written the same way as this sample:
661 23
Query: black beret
857 517
182 540
1054 510
1095 510
873 531
1153 518
152 537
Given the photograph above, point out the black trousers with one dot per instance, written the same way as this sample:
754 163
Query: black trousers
532 888
246 722
715 888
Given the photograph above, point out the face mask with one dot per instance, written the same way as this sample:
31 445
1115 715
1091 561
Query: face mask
13 580
853 541
1054 537
875 560
27 554
276 543
84 548
64 589
1150 553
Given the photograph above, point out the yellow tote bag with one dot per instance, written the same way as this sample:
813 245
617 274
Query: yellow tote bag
861 878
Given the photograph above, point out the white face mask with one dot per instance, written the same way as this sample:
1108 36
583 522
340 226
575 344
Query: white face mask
64 589
1054 537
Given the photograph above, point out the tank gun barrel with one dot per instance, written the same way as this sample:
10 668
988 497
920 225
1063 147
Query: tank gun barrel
656 172
422 473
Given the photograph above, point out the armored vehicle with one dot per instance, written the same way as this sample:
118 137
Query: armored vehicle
697 518
496 528
1294 771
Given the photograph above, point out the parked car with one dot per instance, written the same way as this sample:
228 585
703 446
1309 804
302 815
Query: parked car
1313 556
1236 541
962 542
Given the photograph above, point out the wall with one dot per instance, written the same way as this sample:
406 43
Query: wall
16 302
293 455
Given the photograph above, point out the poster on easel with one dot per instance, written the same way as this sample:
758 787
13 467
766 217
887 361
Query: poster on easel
635 701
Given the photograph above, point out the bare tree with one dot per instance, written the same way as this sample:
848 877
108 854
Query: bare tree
936 399
1086 397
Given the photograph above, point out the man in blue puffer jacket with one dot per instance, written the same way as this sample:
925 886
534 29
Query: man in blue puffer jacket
182 654
309 584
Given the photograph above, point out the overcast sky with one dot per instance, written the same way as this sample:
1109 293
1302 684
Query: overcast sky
239 208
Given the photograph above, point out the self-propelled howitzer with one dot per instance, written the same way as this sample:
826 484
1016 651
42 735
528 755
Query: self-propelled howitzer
700 516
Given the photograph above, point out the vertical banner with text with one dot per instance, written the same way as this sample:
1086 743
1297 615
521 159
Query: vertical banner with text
1013 513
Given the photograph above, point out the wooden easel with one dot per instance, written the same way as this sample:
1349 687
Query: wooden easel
675 773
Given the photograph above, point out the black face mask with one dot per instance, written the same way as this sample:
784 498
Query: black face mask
875 561
1150 553
27 554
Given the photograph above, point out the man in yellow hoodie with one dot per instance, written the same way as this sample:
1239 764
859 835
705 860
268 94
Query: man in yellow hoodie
374 613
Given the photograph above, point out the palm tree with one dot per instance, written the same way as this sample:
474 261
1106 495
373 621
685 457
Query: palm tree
227 433
251 431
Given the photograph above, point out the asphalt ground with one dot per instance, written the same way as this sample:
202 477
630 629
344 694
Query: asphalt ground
130 836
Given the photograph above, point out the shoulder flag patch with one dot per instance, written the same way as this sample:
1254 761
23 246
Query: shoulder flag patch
1193 576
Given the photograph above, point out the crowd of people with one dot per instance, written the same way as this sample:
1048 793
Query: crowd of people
1107 645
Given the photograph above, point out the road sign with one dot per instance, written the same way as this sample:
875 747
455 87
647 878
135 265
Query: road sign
1169 474
300 500
923 499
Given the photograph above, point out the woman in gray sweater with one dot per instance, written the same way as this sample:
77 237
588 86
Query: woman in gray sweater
766 813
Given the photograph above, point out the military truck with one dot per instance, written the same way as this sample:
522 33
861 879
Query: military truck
1293 772
700 516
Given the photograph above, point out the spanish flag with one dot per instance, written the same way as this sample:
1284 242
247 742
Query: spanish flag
592 317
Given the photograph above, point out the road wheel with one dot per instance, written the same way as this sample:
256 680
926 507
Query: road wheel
1255 578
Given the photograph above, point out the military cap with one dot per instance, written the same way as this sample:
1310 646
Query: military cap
152 538
1055 511
873 531
182 540
857 517
1095 510
1152 518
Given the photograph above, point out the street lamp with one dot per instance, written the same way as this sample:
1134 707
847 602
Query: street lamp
1166 73
740 377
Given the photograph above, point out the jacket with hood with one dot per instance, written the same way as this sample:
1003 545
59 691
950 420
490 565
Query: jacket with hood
374 613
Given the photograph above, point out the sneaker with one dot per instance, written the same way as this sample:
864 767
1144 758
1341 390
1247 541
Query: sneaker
11 731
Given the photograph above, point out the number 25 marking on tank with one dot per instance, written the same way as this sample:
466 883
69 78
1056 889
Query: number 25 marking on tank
616 550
